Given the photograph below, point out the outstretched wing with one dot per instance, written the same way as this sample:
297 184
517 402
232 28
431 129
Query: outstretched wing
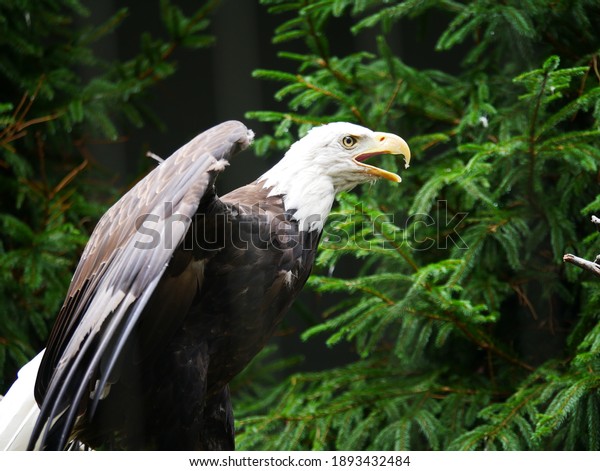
127 254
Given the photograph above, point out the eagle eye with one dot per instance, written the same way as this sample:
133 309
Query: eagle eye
349 142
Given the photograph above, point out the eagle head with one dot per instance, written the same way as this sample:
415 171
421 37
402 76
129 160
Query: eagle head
329 159
339 151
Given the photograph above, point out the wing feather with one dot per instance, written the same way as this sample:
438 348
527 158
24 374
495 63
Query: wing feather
116 276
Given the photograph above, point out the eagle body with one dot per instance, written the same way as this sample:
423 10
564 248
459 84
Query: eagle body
246 235
178 289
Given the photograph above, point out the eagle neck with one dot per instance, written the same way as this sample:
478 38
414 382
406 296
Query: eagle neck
308 194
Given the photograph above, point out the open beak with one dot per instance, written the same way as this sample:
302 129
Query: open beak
384 143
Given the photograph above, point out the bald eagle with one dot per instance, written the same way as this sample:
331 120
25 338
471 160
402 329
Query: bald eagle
178 289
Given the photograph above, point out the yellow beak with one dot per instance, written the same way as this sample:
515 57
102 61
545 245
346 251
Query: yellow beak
385 143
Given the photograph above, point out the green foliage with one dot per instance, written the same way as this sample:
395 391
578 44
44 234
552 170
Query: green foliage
470 333
57 97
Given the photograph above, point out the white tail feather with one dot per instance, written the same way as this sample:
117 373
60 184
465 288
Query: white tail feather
18 409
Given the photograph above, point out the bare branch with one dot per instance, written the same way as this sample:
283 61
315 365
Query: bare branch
582 263
593 267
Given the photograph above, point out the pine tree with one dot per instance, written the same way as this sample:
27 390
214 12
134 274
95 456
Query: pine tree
50 116
470 331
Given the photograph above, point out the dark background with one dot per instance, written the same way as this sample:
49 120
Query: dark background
215 84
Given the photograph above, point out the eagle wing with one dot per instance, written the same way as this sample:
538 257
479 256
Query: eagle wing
124 260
